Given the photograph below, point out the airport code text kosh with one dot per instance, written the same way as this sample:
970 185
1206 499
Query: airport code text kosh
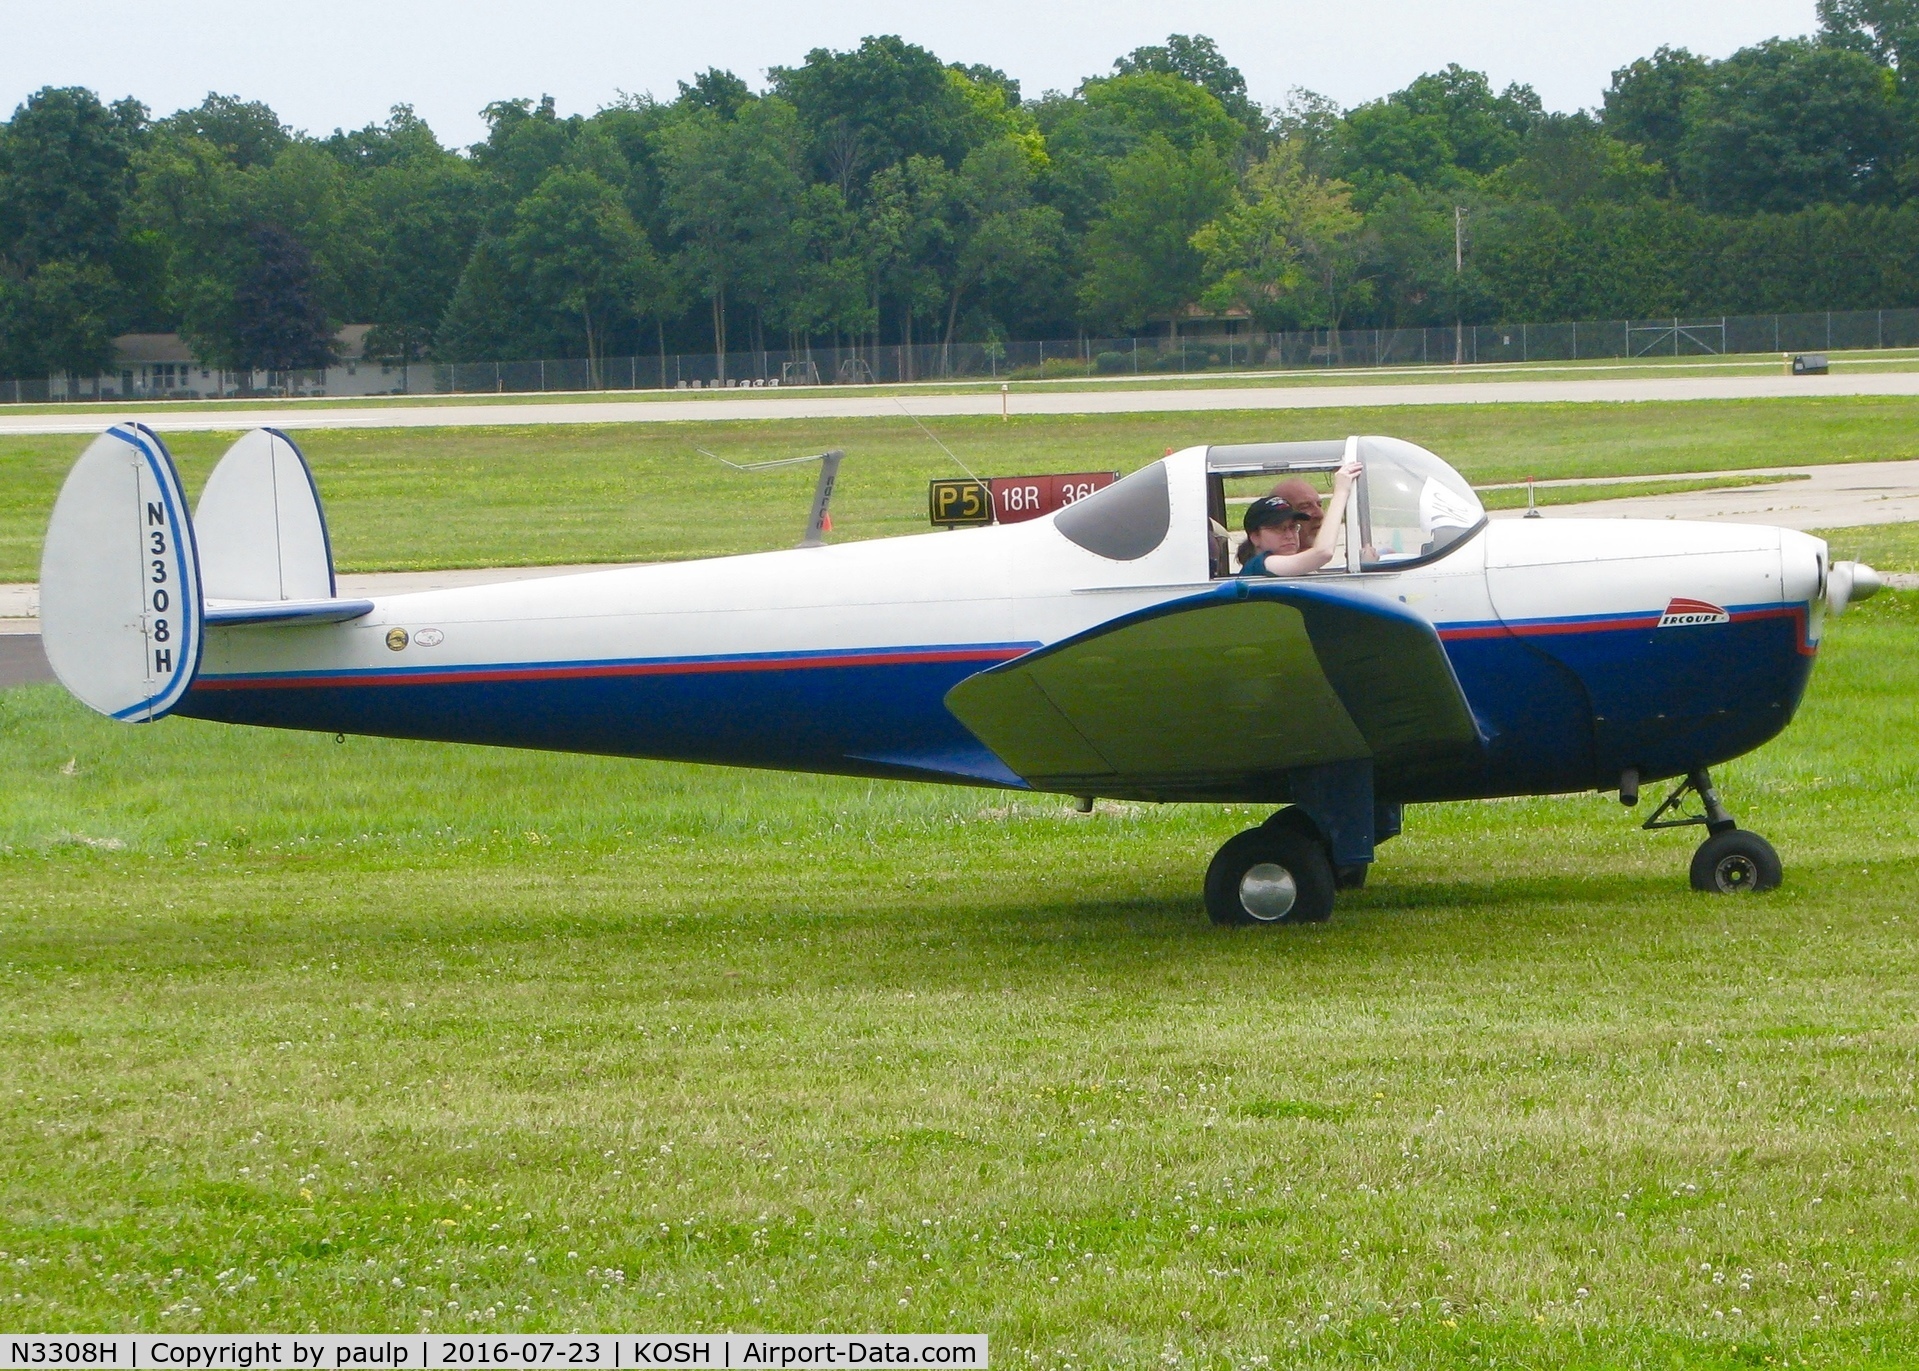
603 1352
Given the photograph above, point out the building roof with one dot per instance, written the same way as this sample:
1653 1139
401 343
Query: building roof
144 349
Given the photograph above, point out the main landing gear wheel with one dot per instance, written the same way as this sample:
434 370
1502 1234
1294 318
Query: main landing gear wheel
1735 862
1270 875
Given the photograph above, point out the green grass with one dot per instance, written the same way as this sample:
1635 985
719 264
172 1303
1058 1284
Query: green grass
1884 547
299 1034
1511 497
431 498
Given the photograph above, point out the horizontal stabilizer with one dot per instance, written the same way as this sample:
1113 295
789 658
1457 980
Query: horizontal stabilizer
120 608
245 613
260 529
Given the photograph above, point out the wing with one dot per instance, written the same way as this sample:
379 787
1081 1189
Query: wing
1217 696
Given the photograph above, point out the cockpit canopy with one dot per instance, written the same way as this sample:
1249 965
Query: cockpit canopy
1409 505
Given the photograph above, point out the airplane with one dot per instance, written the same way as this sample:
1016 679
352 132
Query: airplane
1106 650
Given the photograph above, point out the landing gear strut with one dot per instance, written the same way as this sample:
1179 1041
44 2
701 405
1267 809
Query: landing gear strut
1731 861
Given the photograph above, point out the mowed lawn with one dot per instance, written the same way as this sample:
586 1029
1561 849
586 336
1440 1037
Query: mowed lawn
422 499
377 1035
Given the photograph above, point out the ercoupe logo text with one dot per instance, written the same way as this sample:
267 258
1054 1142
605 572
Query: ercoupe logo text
1683 613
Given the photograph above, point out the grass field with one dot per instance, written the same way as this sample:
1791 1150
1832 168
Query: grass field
426 499
1884 547
386 1035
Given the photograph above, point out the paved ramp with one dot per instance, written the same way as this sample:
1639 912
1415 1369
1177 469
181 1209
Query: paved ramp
21 660
1117 399
1836 496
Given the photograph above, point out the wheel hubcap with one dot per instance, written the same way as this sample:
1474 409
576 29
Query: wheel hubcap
1735 874
1267 892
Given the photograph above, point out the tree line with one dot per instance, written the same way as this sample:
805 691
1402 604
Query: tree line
882 196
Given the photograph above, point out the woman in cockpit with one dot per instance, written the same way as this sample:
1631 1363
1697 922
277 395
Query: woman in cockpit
1273 527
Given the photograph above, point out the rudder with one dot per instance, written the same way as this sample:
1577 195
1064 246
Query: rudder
262 535
121 613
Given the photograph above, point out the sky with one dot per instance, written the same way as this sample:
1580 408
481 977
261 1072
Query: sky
345 65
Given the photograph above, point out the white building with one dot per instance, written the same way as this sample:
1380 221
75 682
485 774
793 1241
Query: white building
162 366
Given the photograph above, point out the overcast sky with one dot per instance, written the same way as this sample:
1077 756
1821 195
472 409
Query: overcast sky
326 66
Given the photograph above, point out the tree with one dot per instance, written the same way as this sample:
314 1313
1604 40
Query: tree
580 252
1142 262
58 321
997 233
423 213
491 316
278 321
1789 123
404 138
66 175
524 142
730 188
719 92
1292 249
1197 59
1885 30
827 289
1569 159
1445 130
1151 104
1250 251
885 101
247 133
1646 103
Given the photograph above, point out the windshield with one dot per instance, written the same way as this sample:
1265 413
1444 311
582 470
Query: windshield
1411 504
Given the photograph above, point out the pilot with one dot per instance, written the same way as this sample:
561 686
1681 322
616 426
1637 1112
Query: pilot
1275 544
1298 492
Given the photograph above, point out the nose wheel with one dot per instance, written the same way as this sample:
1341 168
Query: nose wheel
1733 860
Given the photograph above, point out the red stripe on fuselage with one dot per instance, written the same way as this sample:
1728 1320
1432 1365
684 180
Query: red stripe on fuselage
1550 627
580 671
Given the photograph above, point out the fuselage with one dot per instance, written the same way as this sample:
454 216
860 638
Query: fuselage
1570 640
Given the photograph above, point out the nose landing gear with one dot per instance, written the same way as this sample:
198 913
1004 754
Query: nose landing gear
1732 861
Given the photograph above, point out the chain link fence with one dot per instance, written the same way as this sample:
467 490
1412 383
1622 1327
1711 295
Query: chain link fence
1311 349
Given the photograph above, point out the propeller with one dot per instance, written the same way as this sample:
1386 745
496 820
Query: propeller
1848 582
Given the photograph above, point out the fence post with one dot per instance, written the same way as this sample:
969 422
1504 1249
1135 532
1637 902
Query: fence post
1135 355
1828 330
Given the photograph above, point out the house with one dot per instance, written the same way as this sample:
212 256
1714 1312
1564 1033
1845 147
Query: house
163 366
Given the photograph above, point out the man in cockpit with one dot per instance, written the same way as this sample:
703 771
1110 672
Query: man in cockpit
1275 543
1298 492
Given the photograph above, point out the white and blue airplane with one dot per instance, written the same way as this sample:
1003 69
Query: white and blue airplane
1106 650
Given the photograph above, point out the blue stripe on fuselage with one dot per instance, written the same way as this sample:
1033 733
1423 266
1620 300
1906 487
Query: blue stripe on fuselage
1565 704
875 711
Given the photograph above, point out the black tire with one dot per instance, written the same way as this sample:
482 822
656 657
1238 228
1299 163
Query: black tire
1297 866
1735 863
1293 819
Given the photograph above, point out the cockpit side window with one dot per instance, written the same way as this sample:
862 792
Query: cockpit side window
1126 520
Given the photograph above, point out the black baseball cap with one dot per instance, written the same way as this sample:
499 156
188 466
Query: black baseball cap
1270 512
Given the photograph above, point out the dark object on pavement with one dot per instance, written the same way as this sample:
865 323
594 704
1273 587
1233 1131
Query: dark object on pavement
22 660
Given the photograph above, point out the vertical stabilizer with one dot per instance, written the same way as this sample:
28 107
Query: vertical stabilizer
261 533
121 613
